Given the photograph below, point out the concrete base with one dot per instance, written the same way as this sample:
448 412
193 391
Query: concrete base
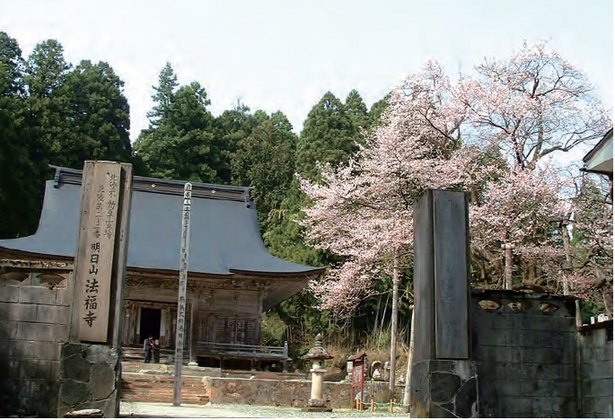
317 409
317 405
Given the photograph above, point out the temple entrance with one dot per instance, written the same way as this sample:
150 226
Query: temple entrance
150 323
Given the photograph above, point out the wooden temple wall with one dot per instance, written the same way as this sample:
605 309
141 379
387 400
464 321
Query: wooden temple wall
212 315
230 316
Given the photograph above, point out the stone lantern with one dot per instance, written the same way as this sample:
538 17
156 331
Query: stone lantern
317 355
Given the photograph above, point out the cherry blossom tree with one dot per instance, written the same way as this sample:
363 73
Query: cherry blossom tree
519 209
587 270
491 134
529 108
532 105
363 211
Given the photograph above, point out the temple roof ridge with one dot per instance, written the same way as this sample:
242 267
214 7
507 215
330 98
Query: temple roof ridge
65 175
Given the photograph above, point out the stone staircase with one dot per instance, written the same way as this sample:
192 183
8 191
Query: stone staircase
151 387
155 382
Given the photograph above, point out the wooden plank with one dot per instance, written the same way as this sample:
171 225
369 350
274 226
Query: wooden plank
241 301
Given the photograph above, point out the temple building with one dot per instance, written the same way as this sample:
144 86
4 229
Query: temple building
232 278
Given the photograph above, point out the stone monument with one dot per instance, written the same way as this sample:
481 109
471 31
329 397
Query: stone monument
443 380
90 363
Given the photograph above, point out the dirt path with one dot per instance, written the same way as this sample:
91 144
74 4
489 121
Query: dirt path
137 409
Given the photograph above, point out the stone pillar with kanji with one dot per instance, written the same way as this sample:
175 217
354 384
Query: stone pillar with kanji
90 362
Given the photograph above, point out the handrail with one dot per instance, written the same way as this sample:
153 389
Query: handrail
243 348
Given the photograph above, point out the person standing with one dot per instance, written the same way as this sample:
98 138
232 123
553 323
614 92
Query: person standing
156 349
147 346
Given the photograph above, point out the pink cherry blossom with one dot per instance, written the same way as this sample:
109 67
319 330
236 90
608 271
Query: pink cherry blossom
489 134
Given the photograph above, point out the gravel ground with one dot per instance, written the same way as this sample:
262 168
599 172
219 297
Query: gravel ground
135 409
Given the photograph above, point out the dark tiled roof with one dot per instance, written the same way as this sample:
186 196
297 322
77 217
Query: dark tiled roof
603 140
224 234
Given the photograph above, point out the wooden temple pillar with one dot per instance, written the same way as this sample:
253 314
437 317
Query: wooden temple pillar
261 297
134 326
130 319
165 315
194 330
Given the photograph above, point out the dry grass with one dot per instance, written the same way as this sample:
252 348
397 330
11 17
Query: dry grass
336 367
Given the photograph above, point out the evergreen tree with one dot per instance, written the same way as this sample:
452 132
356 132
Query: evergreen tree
99 116
46 69
328 136
357 112
180 144
163 96
45 76
21 180
12 66
233 126
376 110
285 236
265 160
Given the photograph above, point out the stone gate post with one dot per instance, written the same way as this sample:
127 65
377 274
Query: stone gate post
443 379
90 363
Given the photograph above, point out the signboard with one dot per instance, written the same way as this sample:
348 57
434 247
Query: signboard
99 210
357 375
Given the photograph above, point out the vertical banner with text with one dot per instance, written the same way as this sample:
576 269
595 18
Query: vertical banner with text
99 211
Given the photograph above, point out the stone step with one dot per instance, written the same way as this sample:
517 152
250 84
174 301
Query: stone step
137 354
146 378
164 398
162 368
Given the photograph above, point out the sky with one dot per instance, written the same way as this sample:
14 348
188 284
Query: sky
286 54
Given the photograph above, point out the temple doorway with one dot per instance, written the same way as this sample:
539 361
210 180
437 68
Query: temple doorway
150 323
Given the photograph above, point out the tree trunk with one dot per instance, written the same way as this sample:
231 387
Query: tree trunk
382 322
607 305
507 266
568 267
375 331
407 390
394 311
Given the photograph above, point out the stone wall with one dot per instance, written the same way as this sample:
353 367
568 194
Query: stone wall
90 378
34 317
293 393
596 370
524 348
448 388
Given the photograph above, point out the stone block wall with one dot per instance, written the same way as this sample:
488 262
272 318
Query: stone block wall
444 388
596 370
89 379
524 346
293 393
34 318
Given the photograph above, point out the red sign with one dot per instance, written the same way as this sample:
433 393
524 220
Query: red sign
357 375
